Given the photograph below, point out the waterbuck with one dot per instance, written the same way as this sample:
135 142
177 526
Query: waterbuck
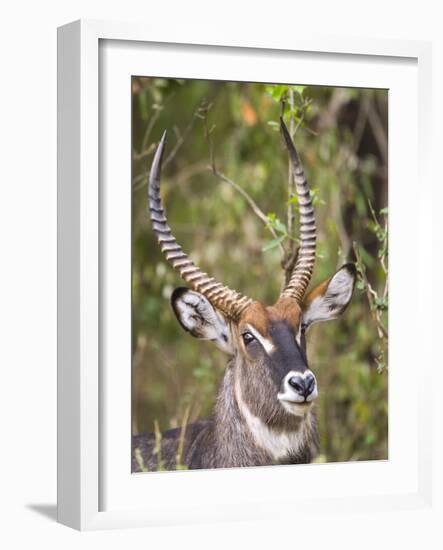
264 408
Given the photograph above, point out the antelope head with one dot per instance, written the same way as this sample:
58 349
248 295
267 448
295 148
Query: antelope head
268 343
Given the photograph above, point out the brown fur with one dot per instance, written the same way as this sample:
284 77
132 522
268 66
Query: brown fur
225 440
247 404
260 316
256 315
317 291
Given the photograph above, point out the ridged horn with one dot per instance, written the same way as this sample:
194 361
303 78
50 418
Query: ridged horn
302 272
228 301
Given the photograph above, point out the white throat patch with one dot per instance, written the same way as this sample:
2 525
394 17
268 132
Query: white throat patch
277 444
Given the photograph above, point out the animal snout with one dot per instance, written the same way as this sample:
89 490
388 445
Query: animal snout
303 385
298 387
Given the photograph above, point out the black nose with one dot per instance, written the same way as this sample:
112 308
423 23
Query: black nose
304 386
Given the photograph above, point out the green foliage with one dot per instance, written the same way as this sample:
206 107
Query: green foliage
377 298
293 103
231 125
279 229
315 196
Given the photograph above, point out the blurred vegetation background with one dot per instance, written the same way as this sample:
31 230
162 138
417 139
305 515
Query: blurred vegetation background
225 187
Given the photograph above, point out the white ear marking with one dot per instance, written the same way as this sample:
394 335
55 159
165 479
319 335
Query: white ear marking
201 319
334 299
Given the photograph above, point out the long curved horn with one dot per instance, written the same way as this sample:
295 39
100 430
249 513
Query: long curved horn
302 273
228 301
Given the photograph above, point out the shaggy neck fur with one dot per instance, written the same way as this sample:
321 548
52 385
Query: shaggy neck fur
241 433
242 438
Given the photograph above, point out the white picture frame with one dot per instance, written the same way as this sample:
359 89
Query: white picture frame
95 489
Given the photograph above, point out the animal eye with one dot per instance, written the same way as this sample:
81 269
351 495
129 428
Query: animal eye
247 338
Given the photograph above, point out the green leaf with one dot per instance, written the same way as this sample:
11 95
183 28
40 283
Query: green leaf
381 366
381 304
276 224
299 89
370 438
272 244
280 226
277 91
360 285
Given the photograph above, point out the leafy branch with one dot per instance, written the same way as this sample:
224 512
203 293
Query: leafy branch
377 300
212 166
294 104
141 180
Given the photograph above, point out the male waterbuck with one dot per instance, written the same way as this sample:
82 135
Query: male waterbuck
264 407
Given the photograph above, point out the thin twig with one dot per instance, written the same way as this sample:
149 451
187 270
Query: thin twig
142 179
147 135
181 441
360 123
372 211
257 211
146 152
371 295
150 126
378 131
182 137
179 178
290 257
328 118
158 446
288 264
376 221
254 206
345 241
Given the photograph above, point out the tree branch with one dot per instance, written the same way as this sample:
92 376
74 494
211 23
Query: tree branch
371 295
181 137
219 175
378 131
291 253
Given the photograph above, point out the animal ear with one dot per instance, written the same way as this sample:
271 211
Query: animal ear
329 299
197 316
